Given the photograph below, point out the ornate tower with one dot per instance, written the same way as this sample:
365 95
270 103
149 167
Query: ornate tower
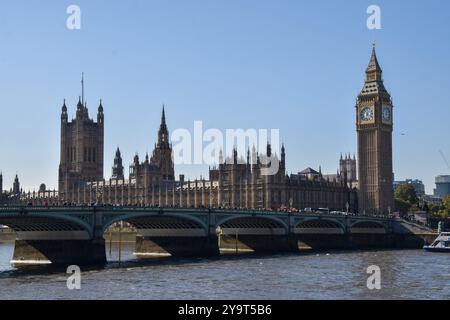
82 147
347 166
374 123
16 186
162 155
117 169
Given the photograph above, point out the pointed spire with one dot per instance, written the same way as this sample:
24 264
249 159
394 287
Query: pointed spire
64 107
373 63
163 116
100 107
163 132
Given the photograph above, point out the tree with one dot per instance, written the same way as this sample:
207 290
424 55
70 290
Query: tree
407 193
445 210
443 213
433 208
446 202
402 206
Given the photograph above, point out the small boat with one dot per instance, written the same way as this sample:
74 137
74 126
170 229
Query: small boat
441 244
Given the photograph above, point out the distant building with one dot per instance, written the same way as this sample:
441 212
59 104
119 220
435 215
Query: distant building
416 184
310 173
347 167
442 186
430 199
82 144
13 194
243 184
81 170
16 186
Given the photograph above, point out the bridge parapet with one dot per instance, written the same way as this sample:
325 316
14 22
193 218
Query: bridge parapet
97 219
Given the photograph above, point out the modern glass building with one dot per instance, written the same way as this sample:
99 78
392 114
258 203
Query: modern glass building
442 186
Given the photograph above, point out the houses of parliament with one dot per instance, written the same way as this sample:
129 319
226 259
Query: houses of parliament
234 182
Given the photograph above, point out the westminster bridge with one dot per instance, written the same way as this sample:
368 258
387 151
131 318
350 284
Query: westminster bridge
75 235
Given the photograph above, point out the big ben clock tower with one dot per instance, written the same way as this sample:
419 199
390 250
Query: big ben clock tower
374 123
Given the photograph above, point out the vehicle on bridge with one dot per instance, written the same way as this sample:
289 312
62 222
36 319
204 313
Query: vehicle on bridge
441 244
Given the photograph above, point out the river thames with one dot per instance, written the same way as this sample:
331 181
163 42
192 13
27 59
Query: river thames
405 274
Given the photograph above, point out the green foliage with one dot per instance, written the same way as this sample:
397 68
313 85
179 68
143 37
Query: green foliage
442 214
406 199
442 211
407 193
446 202
434 209
402 206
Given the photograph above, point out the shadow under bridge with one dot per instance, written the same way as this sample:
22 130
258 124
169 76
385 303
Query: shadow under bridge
161 234
253 233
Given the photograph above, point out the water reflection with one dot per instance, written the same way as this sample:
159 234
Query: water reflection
409 274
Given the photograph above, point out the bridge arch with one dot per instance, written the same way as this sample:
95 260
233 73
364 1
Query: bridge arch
253 223
146 220
29 222
368 227
319 226
166 233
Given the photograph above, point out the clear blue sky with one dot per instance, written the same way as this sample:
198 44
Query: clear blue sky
294 65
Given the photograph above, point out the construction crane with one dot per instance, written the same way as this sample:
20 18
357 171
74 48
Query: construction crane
445 159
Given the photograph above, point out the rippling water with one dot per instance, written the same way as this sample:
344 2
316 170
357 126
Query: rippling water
409 274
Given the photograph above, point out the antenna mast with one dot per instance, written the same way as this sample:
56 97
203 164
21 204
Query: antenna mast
82 88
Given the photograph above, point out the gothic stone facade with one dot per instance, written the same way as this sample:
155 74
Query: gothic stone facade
81 154
235 183
245 184
81 169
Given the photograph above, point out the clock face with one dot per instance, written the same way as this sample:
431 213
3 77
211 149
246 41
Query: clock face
366 114
386 113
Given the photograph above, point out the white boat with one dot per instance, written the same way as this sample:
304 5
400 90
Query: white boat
441 244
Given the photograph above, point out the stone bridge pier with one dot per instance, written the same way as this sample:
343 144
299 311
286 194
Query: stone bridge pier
255 234
171 234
